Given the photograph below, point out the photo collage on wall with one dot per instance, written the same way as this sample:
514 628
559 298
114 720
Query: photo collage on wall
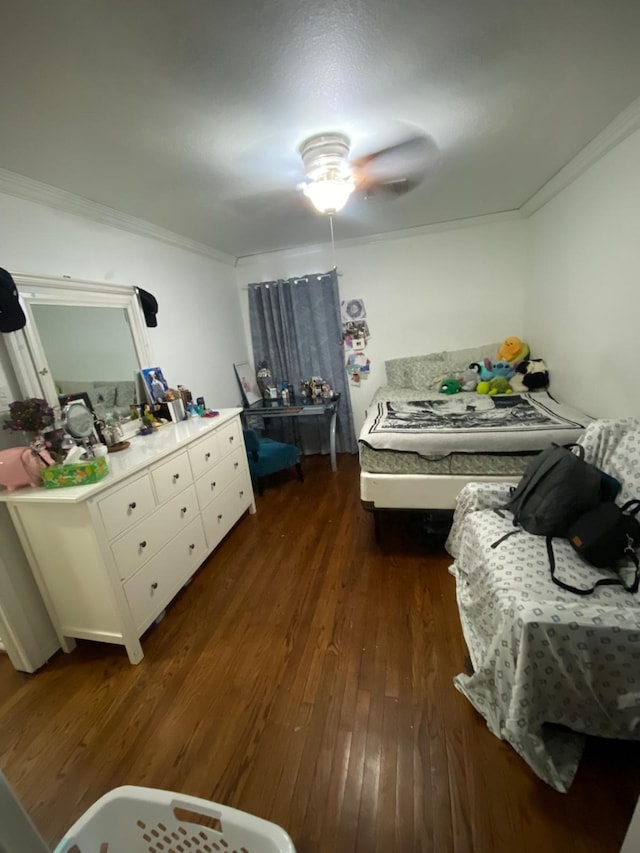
355 335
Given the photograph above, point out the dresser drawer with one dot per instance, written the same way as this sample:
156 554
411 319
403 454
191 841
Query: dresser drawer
221 514
140 544
230 437
172 477
216 481
153 587
123 508
204 455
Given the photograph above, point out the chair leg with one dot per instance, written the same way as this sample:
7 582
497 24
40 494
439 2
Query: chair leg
300 472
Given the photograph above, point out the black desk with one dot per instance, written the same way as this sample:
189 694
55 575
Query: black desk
325 408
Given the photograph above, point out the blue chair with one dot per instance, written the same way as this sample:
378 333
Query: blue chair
267 457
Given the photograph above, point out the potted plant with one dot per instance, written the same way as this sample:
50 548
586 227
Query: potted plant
31 417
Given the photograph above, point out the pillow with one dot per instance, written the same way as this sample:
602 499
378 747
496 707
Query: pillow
125 393
102 395
400 371
460 359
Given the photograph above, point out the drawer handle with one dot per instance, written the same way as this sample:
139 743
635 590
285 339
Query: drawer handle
154 585
176 477
207 456
220 517
241 494
133 505
231 437
183 509
213 485
235 464
192 546
143 544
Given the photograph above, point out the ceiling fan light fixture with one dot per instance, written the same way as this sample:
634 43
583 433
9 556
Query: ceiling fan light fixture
329 195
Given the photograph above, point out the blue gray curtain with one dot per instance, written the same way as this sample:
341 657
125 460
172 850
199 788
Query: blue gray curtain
296 329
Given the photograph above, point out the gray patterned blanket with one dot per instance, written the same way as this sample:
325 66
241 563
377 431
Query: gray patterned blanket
542 655
471 423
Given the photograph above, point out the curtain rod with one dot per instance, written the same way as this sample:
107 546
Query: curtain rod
295 279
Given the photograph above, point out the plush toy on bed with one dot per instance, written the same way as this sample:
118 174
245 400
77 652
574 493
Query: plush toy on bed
468 378
497 385
488 370
513 350
451 385
531 375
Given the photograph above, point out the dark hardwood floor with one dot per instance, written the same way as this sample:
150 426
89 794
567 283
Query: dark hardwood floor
305 676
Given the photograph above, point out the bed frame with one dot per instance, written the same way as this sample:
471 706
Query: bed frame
380 492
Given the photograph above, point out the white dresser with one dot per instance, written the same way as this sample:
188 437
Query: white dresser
109 557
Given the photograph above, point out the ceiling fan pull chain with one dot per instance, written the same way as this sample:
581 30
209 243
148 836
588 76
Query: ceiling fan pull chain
333 245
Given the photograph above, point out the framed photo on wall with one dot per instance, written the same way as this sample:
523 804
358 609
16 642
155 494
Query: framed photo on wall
247 382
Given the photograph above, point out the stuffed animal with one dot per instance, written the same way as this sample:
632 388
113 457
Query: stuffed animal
497 385
483 370
504 369
489 369
513 350
468 379
531 375
450 386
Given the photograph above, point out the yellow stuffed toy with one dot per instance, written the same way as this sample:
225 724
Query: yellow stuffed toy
512 350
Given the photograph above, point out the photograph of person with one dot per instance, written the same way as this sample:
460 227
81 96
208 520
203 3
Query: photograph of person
155 384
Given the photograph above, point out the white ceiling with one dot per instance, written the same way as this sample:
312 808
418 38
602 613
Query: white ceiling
189 113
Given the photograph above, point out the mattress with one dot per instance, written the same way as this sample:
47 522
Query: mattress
456 464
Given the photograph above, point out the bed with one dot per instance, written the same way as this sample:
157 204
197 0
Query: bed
549 666
419 448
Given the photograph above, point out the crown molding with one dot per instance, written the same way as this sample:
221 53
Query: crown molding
622 126
405 233
40 193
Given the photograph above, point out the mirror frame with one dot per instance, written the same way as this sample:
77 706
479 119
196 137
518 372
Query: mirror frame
25 346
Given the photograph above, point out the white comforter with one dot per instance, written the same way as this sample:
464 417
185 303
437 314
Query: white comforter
436 425
542 655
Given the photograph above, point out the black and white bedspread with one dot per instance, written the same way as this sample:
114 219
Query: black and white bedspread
472 423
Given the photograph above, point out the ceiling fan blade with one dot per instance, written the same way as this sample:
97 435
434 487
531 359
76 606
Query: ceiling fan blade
388 189
400 167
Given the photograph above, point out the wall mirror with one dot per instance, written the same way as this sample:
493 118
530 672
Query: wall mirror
80 337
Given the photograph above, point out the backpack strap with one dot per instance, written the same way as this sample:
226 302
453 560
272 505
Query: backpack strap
580 448
627 507
633 587
506 536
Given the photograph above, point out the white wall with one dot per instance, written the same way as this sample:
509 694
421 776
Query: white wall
583 285
443 289
199 333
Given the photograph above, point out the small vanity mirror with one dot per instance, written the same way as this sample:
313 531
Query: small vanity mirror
78 420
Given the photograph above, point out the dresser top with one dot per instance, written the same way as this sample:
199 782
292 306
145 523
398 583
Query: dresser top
145 450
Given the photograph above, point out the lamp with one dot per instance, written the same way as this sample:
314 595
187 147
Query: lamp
330 194
329 179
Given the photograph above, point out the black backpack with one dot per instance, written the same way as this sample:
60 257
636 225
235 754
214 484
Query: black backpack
557 487
562 495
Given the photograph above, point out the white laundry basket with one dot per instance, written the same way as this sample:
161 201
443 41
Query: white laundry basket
146 820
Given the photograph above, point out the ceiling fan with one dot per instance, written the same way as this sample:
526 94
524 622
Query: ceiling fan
391 171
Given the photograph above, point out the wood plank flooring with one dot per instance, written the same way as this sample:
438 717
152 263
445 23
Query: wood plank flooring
305 676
